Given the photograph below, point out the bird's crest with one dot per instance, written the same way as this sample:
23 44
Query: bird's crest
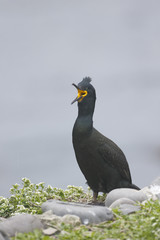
85 82
87 79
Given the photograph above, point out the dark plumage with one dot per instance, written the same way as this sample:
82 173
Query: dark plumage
101 161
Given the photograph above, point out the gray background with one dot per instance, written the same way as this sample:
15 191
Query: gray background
47 45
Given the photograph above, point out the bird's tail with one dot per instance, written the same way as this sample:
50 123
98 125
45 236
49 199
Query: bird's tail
134 187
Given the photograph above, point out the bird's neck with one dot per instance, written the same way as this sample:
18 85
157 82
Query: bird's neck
84 124
86 109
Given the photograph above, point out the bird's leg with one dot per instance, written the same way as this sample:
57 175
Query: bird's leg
95 195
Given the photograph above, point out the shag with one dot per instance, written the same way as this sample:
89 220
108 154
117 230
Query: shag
102 162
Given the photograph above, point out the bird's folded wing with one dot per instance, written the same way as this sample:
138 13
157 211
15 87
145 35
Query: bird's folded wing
114 157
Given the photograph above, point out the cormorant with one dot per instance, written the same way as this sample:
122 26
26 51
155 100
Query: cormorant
102 162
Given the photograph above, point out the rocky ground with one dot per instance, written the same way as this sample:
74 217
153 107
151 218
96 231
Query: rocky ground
57 212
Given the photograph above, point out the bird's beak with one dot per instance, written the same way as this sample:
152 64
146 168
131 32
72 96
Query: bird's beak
81 94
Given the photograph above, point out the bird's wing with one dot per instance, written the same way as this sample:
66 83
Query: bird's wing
114 157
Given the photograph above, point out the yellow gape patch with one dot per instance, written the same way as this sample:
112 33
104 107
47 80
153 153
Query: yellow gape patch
81 95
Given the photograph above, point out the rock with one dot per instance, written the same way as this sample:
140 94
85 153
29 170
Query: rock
50 231
87 213
48 217
19 224
121 201
129 193
3 236
128 208
125 205
71 219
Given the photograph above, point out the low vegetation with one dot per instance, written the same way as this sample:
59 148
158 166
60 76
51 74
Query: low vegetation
29 197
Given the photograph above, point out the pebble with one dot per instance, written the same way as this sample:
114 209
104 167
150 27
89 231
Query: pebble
125 205
87 213
50 231
134 195
121 201
49 218
71 220
20 223
128 208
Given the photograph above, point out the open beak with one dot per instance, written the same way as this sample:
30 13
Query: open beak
81 94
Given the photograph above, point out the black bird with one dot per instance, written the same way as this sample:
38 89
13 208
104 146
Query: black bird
102 162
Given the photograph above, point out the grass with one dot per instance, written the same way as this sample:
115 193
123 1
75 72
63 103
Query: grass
144 224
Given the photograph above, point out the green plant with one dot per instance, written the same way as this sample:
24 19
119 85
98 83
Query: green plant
36 235
29 197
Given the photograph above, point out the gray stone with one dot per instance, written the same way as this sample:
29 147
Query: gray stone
19 224
3 236
48 217
50 231
71 219
87 213
118 193
125 205
128 208
121 201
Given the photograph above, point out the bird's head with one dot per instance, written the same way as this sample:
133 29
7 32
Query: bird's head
85 90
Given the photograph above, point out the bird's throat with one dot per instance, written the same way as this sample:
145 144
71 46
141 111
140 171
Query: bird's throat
83 125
